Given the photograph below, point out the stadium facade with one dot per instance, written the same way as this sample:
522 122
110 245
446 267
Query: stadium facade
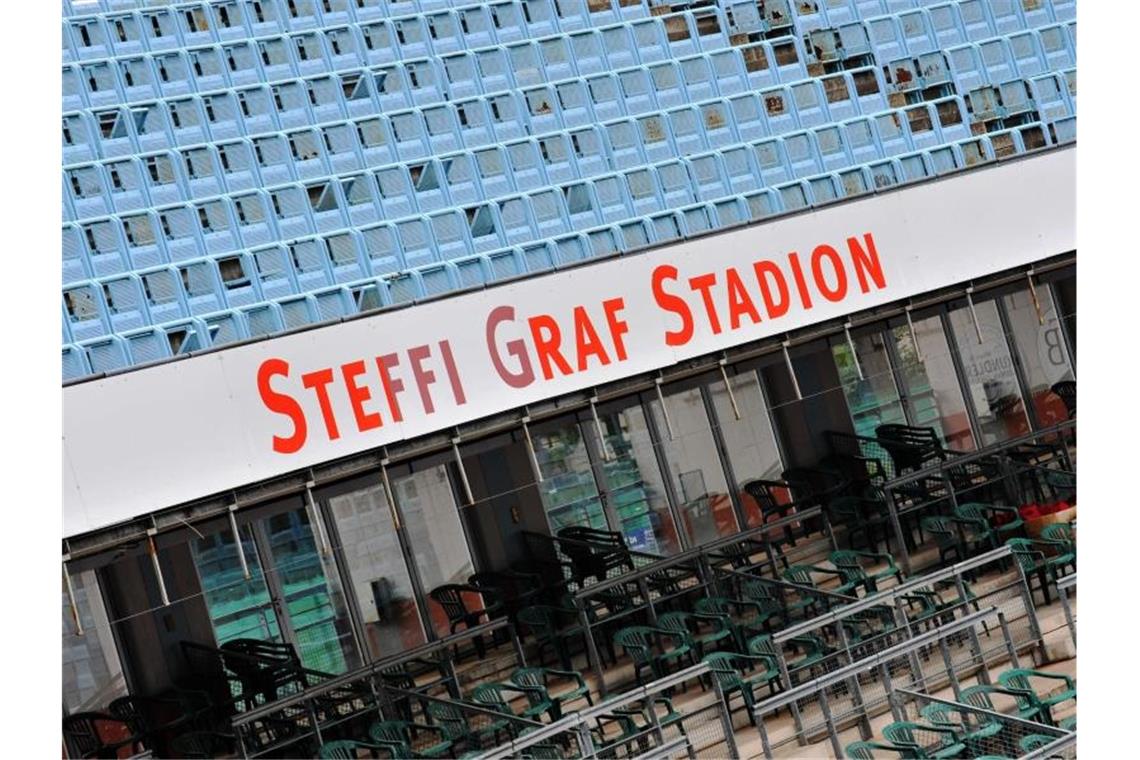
389 288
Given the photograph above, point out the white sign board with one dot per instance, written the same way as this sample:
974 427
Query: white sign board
164 435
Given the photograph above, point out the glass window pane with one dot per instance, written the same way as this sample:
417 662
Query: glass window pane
749 441
239 608
569 491
990 376
633 482
930 386
311 594
92 675
1067 301
692 461
874 399
431 518
1041 350
376 569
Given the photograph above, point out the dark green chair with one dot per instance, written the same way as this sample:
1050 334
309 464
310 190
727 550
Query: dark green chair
961 537
348 749
723 666
687 625
996 532
976 737
866 516
1036 564
494 696
926 741
854 568
981 696
875 750
1021 680
397 734
1035 741
1062 537
763 647
766 598
452 720
537 683
811 601
744 617
642 643
1069 724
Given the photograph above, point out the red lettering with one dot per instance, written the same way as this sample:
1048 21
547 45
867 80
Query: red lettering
424 377
546 346
391 385
318 381
765 270
357 395
674 304
618 327
282 404
801 285
702 283
516 348
739 302
820 253
586 341
452 373
866 262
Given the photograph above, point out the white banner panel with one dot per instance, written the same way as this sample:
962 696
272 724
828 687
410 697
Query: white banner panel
161 436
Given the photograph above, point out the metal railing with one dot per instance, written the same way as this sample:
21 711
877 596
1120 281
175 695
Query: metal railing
1066 587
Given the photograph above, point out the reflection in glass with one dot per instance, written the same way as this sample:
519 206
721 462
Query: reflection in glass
239 608
92 675
431 517
749 441
874 399
1041 350
693 464
632 480
930 385
317 615
990 375
569 491
376 570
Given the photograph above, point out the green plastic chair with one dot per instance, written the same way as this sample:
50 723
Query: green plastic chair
980 696
685 625
1061 535
451 719
975 737
743 617
926 741
641 643
1020 680
347 749
761 594
868 624
811 602
723 666
1035 741
854 572
995 534
874 750
550 628
960 536
537 683
397 735
1036 564
493 695
1069 724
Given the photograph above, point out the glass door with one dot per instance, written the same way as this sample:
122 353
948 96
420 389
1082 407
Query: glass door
288 595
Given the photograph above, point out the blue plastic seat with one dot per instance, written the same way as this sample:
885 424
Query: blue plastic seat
106 354
946 25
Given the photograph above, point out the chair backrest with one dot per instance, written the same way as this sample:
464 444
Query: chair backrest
491 695
534 679
200 745
911 448
677 622
723 666
539 619
450 597
449 718
1058 532
392 732
1067 390
800 575
637 641
848 563
764 493
713 605
343 749
762 645
86 733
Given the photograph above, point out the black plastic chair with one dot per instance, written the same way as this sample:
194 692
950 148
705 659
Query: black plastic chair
98 734
450 597
1067 390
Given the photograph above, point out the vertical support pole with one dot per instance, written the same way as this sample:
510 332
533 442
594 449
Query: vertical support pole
980 656
1010 647
974 313
602 442
728 388
913 335
791 371
153 551
591 646
948 661
1068 610
75 607
462 470
315 516
725 721
865 730
892 510
892 699
902 621
765 743
530 449
389 495
1036 301
793 706
585 741
664 410
237 542
643 588
1030 609
314 721
830 723
513 632
851 347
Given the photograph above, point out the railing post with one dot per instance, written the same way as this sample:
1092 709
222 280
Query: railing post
885 675
764 741
585 741
793 706
948 660
1030 609
1009 645
591 646
892 509
1068 610
643 587
726 722
903 621
827 721
513 632
865 730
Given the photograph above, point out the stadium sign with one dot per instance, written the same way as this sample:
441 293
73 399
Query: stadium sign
163 435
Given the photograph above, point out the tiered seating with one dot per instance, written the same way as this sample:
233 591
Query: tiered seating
238 168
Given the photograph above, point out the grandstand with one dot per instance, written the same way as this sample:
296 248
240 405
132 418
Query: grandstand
569 379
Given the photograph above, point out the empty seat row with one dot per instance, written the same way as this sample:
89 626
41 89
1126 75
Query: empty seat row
197 287
448 26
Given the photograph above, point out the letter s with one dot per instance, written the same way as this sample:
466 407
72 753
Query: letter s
672 303
282 404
